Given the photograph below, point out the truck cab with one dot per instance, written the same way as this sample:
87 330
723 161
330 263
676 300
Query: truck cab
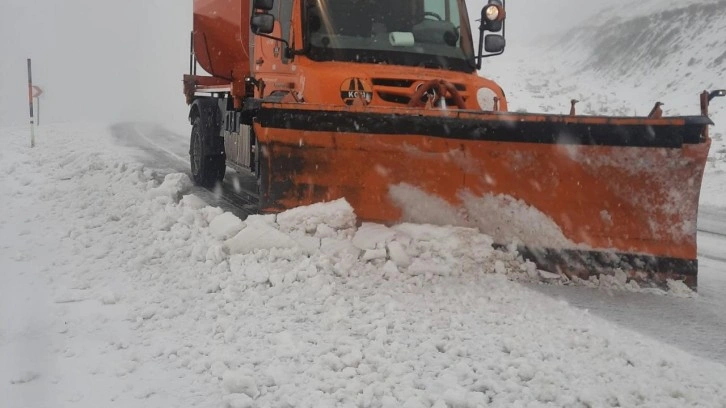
374 52
327 53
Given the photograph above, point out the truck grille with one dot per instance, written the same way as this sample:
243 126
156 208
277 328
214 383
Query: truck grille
398 91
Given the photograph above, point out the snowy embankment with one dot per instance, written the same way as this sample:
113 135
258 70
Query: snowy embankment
121 291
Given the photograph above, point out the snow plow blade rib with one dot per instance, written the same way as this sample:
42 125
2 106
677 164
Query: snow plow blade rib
579 195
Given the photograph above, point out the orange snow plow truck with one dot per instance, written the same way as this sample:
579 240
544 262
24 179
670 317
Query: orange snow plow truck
379 102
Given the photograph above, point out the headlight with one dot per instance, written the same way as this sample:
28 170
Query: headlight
491 13
485 98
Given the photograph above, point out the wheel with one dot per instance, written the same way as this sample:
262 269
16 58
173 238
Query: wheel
207 168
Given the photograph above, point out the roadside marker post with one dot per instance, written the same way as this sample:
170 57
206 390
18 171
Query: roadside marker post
37 91
30 104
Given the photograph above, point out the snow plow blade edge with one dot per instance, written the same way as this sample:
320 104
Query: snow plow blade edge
579 195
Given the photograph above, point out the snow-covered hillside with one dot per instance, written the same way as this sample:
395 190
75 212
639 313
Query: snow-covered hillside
616 63
621 62
678 50
119 290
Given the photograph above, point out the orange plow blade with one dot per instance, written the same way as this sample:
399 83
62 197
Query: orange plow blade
578 195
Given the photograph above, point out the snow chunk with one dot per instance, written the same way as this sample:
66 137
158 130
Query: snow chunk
278 374
174 186
618 279
337 214
258 235
218 369
549 276
338 248
390 270
398 254
193 202
372 236
210 213
236 382
679 289
258 274
216 254
352 359
373 254
238 401
309 245
109 298
225 226
414 402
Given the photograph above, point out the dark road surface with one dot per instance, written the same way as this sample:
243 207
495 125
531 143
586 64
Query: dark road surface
168 152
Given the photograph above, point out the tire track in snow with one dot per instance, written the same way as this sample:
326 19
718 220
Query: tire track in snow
712 220
712 245
170 157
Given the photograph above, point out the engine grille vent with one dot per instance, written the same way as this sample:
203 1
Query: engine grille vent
399 91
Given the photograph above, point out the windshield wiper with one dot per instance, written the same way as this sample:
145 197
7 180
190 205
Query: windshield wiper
432 65
372 59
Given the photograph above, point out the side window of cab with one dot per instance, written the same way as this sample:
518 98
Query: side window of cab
446 10
283 16
442 22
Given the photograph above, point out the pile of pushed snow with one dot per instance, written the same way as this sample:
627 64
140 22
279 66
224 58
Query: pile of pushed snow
308 309
398 252
329 230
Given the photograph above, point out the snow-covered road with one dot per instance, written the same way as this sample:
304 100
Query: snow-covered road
697 324
117 293
700 322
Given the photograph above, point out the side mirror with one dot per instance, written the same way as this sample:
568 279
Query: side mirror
492 20
716 94
494 43
494 26
262 23
264 4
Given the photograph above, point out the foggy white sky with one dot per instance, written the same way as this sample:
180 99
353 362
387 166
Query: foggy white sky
123 60
95 59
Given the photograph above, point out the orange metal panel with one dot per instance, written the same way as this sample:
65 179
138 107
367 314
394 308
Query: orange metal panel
627 199
221 37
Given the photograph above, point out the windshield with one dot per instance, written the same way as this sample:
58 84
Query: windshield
427 33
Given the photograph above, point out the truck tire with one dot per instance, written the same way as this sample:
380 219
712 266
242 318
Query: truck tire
207 167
